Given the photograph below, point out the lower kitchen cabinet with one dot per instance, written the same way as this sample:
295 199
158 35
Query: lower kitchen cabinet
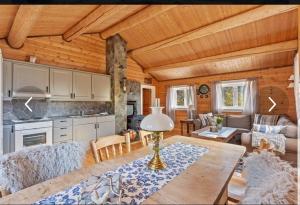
105 126
84 130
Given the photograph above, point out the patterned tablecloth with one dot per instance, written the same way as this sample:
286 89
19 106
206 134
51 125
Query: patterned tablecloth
138 182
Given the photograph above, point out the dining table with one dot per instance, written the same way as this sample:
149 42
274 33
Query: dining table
204 182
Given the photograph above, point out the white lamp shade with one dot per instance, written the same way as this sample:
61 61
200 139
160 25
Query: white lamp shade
157 121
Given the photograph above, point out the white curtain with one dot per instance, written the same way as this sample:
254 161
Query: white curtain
250 97
170 107
191 101
217 96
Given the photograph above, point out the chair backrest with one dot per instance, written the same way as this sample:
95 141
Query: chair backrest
109 141
30 166
146 137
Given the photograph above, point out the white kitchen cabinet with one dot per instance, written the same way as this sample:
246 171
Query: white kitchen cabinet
101 85
82 89
84 130
7 80
62 130
61 87
30 77
105 126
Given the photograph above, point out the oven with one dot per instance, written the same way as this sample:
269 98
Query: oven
33 133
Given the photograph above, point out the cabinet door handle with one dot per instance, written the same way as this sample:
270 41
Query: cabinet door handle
93 96
47 89
62 121
9 93
71 95
74 95
95 126
63 135
63 128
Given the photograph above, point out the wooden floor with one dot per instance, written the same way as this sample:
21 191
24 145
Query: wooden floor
90 160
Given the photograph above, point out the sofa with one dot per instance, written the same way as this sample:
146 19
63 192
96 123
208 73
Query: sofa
290 132
240 121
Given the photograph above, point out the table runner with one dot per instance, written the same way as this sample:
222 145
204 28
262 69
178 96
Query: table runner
138 181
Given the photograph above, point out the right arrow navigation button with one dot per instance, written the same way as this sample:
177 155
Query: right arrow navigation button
274 104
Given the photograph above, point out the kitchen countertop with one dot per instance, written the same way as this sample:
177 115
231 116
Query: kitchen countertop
10 122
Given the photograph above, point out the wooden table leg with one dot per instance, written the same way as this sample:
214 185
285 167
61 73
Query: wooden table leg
181 128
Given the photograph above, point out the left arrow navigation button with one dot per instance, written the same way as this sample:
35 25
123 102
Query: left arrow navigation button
26 104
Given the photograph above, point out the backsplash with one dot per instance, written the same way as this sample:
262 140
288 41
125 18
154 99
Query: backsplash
15 109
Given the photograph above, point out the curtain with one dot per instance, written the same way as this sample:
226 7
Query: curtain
170 107
250 97
191 101
217 98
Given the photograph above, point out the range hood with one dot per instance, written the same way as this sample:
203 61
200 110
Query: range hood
30 91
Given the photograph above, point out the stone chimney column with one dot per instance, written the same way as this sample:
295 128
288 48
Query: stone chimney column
116 64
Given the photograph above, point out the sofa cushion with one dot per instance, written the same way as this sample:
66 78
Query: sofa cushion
275 129
290 129
265 119
239 121
205 119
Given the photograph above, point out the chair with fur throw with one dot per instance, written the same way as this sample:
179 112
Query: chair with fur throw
270 180
33 165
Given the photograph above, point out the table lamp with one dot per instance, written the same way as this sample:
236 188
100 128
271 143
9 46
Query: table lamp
157 122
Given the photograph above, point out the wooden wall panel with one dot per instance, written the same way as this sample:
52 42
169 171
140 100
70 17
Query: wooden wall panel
86 53
272 82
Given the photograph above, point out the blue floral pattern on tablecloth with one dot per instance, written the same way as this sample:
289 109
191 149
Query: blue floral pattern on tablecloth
138 181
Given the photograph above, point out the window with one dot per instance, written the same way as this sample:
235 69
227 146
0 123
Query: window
233 95
180 97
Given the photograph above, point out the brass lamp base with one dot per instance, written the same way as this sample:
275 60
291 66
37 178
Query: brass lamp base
156 163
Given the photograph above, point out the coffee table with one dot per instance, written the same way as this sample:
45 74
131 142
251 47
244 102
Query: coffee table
224 135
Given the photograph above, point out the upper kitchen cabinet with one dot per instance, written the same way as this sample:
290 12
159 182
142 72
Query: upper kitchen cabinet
82 89
61 87
30 80
101 85
7 80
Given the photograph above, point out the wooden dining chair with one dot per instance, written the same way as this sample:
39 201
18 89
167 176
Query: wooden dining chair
146 137
109 142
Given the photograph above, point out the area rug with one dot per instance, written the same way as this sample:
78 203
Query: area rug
138 181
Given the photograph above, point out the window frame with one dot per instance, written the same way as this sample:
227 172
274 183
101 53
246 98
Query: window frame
233 84
184 88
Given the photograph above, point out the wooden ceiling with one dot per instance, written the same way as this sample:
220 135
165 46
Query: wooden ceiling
170 41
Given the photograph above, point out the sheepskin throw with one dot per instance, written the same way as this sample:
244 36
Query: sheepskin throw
270 180
277 139
30 166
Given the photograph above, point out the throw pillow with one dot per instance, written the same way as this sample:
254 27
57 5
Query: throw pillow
265 119
206 119
267 128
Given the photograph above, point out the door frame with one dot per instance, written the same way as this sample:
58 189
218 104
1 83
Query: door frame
153 94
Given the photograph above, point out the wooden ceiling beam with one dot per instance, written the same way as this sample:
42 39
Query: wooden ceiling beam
253 15
100 14
26 17
138 18
267 49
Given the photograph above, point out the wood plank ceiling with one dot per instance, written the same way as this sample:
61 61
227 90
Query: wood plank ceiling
170 41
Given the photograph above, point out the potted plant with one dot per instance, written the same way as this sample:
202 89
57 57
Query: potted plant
219 122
